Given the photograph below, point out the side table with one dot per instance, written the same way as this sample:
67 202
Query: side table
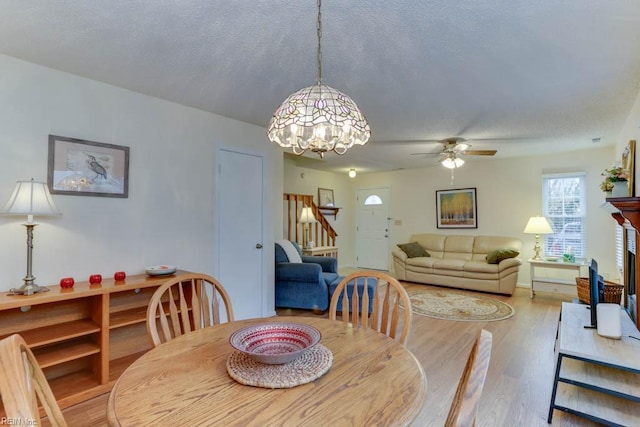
554 284
321 251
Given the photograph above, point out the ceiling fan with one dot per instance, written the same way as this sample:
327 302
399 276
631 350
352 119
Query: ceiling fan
451 150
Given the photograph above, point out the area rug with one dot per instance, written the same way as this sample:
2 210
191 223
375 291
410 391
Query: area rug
449 305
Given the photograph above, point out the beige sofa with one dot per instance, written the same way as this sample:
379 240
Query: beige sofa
460 262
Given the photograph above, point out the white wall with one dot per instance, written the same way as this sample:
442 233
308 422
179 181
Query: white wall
169 215
631 130
509 192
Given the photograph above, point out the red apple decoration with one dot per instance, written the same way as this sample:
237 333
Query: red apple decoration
95 278
66 282
119 276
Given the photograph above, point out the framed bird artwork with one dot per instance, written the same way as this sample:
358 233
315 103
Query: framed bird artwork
86 168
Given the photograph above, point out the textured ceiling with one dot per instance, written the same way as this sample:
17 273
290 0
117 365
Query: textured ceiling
519 76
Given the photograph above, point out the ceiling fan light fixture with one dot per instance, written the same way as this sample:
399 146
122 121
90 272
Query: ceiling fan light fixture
318 118
452 162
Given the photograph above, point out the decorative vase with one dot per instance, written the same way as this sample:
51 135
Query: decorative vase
620 189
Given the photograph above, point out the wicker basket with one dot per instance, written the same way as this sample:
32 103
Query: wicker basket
612 291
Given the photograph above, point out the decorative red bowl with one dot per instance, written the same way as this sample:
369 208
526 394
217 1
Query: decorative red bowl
67 282
275 343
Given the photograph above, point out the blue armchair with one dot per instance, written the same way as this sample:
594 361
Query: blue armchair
303 281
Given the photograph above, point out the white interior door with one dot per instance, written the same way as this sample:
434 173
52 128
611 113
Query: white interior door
372 229
240 231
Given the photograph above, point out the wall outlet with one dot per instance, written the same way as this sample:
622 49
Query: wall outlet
397 222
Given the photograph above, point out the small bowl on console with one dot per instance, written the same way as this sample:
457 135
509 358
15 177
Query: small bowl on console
275 343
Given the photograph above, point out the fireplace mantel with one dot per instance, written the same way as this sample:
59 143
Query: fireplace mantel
626 212
625 208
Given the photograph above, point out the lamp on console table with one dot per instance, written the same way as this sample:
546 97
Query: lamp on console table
306 218
30 198
538 225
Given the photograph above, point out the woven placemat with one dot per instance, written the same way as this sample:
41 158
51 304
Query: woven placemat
306 368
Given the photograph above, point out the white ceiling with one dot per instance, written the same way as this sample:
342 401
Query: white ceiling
519 76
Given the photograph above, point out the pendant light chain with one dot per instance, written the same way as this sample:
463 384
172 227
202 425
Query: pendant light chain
319 30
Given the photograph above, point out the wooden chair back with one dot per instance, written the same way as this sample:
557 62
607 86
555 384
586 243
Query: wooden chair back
464 407
388 300
23 385
184 304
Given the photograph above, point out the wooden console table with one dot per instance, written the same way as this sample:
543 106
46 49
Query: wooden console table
596 378
322 251
84 337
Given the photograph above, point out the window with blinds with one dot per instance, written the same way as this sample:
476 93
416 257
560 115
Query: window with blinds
619 251
564 206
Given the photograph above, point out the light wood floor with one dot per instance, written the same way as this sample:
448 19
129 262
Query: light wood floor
518 385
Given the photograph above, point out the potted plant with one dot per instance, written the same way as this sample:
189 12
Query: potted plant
615 181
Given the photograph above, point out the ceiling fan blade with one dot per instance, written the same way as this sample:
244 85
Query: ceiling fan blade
457 147
479 152
427 154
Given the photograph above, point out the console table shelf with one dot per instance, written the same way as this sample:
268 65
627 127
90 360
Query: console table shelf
65 351
128 317
84 337
43 336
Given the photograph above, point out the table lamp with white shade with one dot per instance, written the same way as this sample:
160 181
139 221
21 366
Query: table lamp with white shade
306 218
538 225
30 198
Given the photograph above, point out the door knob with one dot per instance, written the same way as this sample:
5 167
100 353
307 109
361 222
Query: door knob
258 245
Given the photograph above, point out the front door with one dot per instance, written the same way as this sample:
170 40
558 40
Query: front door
240 210
372 229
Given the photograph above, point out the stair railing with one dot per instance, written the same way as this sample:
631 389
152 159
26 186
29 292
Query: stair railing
321 232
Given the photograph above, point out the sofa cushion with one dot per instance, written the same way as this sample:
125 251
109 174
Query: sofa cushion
432 243
413 250
480 267
458 247
449 264
291 252
482 245
494 257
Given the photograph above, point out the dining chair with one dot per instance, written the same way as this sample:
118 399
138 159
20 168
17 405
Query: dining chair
464 407
23 385
380 311
184 304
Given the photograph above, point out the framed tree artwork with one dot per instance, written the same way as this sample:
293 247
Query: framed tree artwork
457 208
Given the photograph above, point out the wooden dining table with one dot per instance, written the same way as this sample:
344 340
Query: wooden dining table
373 380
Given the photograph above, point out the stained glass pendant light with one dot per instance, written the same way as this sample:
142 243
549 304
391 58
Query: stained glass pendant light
318 118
